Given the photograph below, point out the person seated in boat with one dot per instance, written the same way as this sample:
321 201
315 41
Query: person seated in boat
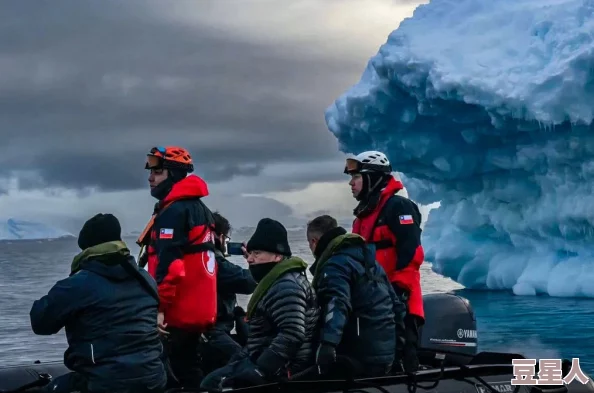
219 345
282 315
108 307
360 310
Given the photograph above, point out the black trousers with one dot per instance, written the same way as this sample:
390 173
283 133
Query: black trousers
225 377
182 358
217 349
410 357
408 351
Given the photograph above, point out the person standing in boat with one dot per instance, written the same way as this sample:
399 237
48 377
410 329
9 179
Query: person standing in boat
180 254
219 345
282 315
108 307
393 224
360 310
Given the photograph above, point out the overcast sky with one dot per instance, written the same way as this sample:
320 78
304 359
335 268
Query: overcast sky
87 87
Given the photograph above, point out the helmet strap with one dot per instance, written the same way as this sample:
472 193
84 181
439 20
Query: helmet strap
176 174
372 181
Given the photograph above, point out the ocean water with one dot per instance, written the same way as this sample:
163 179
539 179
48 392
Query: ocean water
540 327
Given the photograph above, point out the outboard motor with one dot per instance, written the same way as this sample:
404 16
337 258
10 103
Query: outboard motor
448 336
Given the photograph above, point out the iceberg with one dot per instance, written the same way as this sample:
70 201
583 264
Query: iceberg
486 107
13 229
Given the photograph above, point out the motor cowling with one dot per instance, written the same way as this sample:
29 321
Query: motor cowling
449 334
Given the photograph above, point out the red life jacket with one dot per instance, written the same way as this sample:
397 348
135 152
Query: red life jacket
191 281
386 243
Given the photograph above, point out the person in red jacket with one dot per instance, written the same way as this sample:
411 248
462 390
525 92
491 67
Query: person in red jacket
180 254
393 224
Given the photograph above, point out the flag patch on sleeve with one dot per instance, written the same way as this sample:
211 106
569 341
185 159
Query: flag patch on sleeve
166 233
406 219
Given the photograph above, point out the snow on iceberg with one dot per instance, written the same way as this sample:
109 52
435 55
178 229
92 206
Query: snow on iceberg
487 107
14 229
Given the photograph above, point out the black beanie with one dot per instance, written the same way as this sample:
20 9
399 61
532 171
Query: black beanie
271 236
101 228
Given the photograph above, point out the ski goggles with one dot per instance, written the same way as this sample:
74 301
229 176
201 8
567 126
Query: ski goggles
154 160
352 166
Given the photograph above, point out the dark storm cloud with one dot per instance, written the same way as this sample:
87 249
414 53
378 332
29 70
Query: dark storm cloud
86 88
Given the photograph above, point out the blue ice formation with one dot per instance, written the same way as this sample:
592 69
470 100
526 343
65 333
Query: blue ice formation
487 107
15 229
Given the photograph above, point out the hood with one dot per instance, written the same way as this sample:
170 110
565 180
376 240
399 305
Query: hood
107 260
350 244
392 187
191 186
113 272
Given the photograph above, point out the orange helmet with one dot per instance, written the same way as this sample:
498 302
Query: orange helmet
169 157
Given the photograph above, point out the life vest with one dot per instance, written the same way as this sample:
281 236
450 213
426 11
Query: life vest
386 243
194 305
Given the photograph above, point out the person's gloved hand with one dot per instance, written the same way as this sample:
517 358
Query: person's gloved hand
325 357
239 312
402 293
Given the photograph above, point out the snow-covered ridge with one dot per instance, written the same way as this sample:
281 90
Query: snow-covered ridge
15 229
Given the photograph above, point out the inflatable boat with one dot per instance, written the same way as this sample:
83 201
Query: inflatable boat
448 354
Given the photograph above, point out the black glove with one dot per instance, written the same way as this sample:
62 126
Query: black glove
402 293
239 312
325 357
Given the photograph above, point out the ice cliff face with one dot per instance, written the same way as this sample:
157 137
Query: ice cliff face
487 107
13 229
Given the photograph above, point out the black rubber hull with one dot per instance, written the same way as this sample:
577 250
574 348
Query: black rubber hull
12 378
452 380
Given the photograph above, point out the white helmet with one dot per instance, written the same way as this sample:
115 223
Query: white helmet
368 161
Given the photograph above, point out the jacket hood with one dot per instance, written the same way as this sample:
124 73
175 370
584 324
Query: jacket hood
392 187
191 186
111 260
115 270
350 244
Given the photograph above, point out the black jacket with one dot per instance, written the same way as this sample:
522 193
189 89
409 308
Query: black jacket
110 318
231 280
359 307
283 328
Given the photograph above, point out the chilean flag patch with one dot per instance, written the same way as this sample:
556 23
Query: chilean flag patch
166 233
406 219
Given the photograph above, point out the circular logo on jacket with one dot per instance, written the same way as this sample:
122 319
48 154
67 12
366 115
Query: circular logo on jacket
210 262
